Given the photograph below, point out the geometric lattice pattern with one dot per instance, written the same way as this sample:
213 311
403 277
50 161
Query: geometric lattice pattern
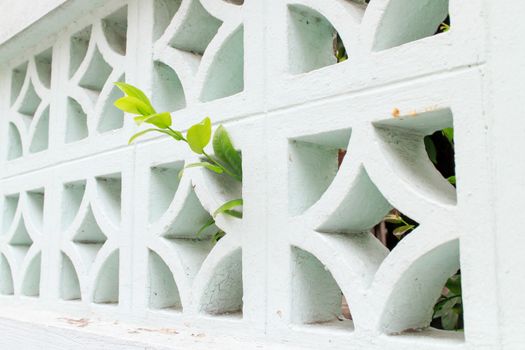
107 228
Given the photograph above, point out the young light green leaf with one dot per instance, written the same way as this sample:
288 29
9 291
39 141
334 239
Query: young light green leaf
161 120
133 91
234 213
452 180
199 135
228 206
224 150
133 105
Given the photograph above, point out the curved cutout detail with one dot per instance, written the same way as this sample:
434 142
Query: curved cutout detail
165 10
405 21
43 66
115 27
169 94
111 118
15 143
361 209
79 44
313 165
31 281
72 197
40 141
189 219
69 283
164 182
402 142
421 284
76 124
310 40
225 76
21 237
107 282
317 297
18 77
96 74
6 277
30 101
223 294
10 207
109 191
35 207
163 291
89 238
190 40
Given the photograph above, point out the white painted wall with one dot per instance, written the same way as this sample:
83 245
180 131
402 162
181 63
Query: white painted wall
97 245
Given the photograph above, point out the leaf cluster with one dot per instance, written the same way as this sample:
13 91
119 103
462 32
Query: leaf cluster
226 160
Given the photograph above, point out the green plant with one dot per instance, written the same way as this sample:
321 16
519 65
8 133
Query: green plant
226 159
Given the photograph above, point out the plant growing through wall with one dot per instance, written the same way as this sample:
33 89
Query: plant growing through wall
448 310
226 160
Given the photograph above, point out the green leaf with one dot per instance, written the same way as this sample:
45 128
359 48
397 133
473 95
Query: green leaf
431 149
161 120
402 230
135 92
393 219
199 136
454 284
234 213
449 321
228 206
449 134
452 180
146 131
224 150
209 223
133 105
217 236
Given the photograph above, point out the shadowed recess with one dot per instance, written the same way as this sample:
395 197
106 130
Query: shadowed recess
163 291
10 206
115 28
31 281
79 44
17 80
310 40
40 141
317 298
76 122
223 294
312 166
6 277
187 38
169 92
226 73
165 10
107 282
405 21
112 118
15 143
69 283
43 66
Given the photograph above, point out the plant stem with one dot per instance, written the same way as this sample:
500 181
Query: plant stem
221 166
